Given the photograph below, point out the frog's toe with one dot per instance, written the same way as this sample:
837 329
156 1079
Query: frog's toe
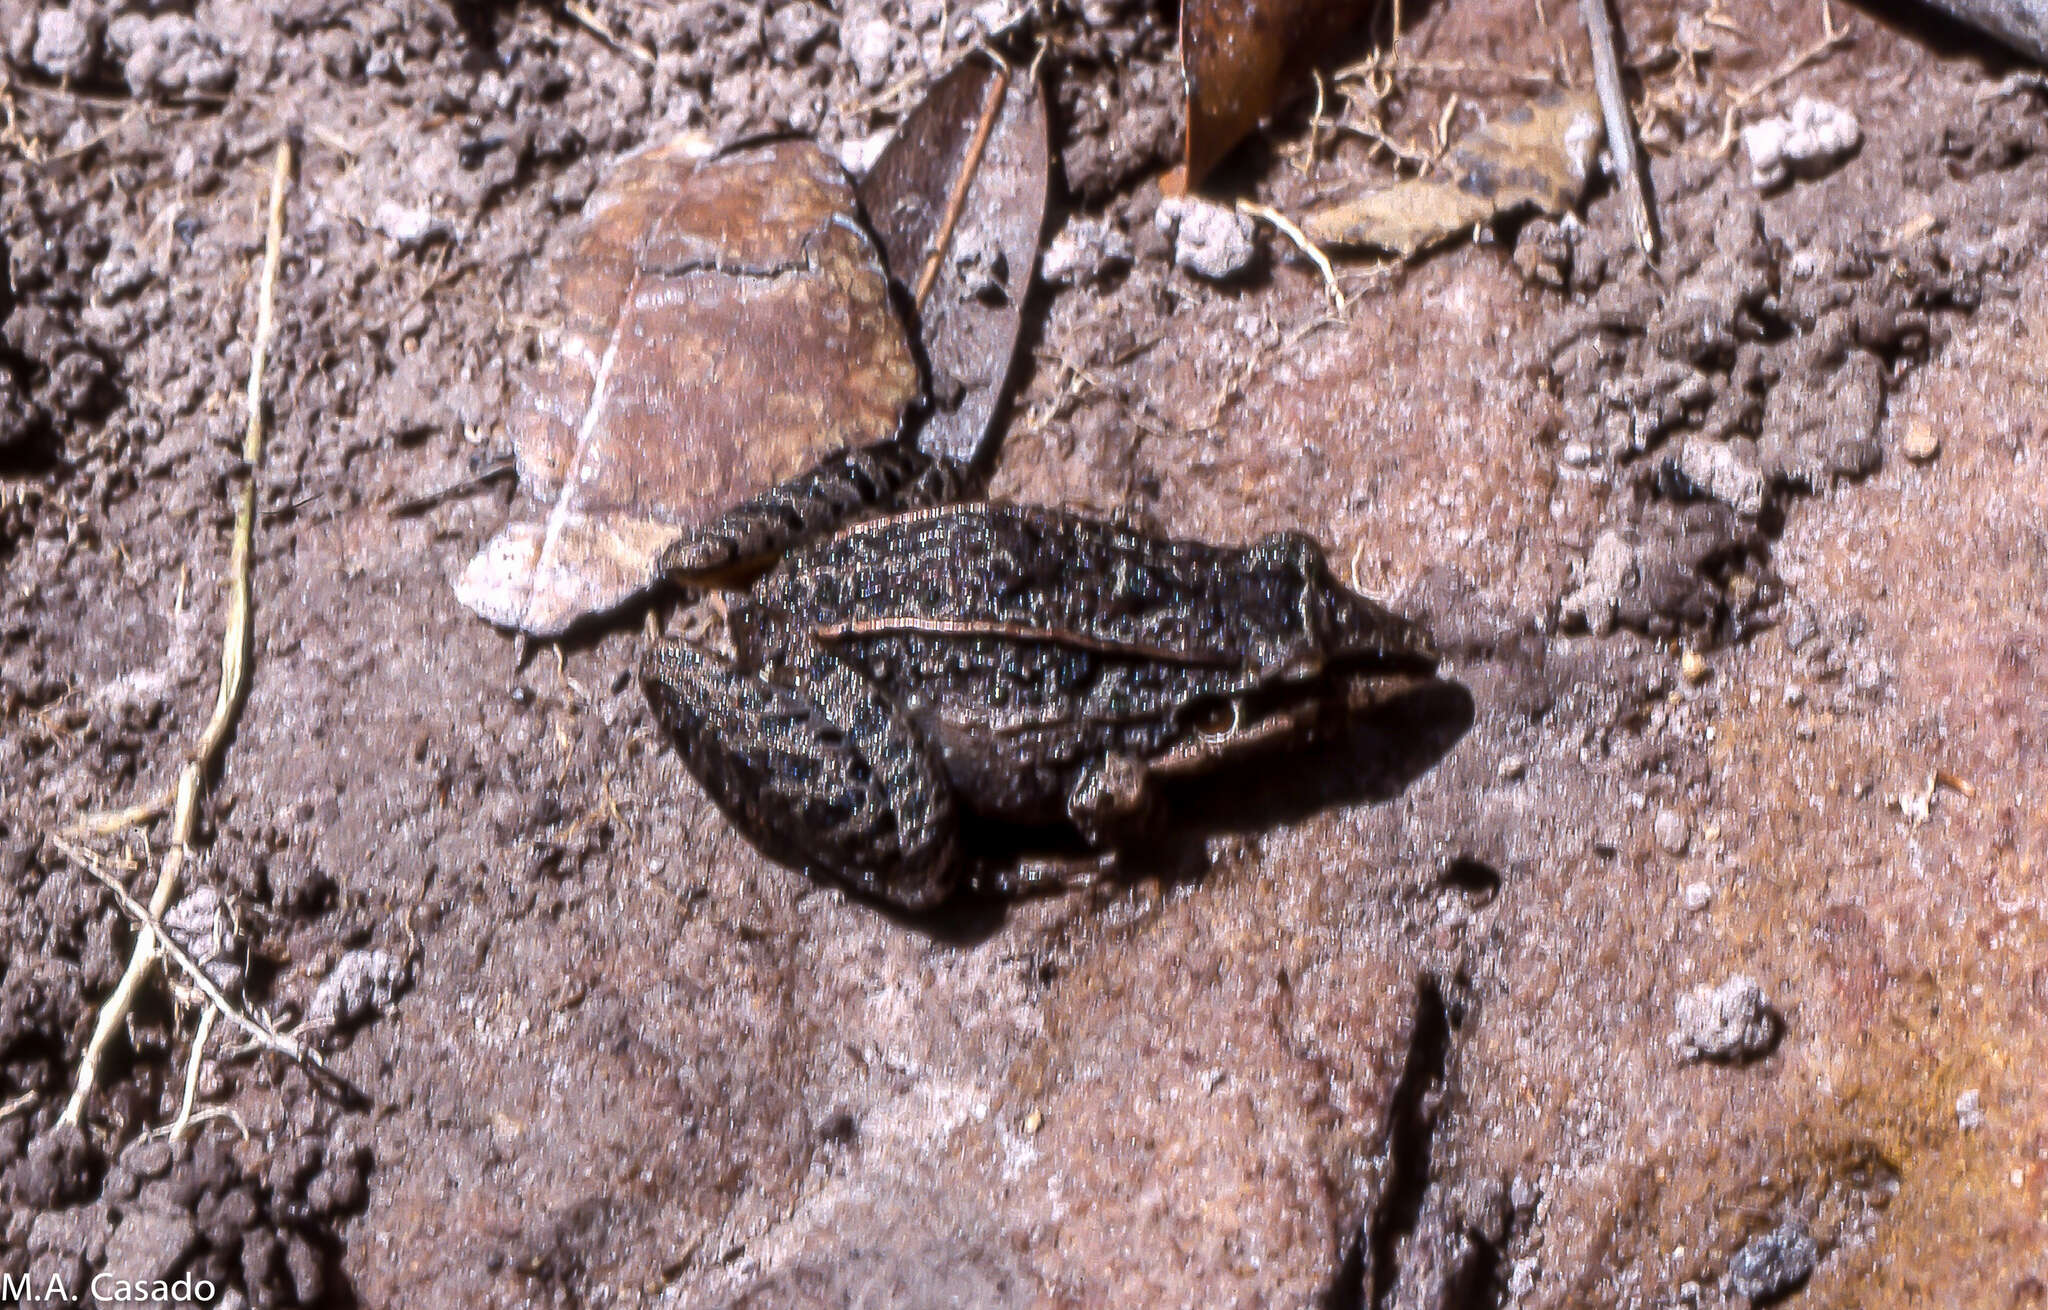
1040 875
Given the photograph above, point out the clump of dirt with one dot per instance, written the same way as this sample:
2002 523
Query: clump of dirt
1756 364
161 1212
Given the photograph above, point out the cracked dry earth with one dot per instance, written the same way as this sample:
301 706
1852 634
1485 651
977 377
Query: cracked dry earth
1690 952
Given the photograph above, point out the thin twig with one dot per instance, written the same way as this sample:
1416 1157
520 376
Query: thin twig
105 823
1831 38
991 109
183 1122
259 1032
1315 130
203 1117
1301 241
1381 63
427 500
1621 124
236 647
591 23
18 1105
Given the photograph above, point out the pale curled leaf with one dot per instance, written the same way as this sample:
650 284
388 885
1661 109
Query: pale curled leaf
725 323
992 156
1537 156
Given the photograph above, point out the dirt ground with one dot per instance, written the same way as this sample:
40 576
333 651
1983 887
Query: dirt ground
1737 563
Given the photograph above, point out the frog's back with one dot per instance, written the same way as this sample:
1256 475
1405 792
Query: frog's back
1033 573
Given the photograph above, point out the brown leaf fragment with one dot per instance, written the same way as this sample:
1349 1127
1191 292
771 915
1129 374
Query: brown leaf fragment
975 152
725 323
1238 57
1537 156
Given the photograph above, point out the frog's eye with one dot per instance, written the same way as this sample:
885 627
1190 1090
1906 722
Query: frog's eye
1217 718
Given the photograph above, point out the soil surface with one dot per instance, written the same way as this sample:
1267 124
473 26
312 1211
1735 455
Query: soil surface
1688 949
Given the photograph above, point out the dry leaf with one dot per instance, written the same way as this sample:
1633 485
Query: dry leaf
1239 56
1537 156
982 128
726 323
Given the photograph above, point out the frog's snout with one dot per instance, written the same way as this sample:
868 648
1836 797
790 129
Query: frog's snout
1354 628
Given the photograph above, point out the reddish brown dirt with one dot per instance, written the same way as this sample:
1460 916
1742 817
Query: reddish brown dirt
1391 1026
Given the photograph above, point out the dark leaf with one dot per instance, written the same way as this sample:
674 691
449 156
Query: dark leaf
958 201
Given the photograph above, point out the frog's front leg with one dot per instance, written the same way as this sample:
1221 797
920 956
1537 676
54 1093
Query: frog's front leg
842 488
1113 802
818 768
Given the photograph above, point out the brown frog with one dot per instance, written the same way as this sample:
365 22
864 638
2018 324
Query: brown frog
1024 664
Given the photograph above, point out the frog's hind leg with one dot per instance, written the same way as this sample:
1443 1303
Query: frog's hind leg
827 774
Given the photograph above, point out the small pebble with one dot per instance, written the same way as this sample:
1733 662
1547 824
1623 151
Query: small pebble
408 226
362 985
1730 1023
1769 1266
1693 666
1808 140
858 155
1970 1110
67 44
1085 250
1209 240
1671 832
1698 896
1801 626
1922 443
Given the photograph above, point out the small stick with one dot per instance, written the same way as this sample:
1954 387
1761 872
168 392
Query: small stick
427 500
206 1116
991 109
105 823
183 1122
16 1106
236 648
1831 37
1315 131
1621 124
1302 243
591 23
260 1033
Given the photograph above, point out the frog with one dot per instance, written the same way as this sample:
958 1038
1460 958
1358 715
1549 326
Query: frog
904 675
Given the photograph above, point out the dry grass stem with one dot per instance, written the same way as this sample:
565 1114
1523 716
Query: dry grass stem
594 25
1832 39
1621 122
1301 241
262 1034
183 1123
236 648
